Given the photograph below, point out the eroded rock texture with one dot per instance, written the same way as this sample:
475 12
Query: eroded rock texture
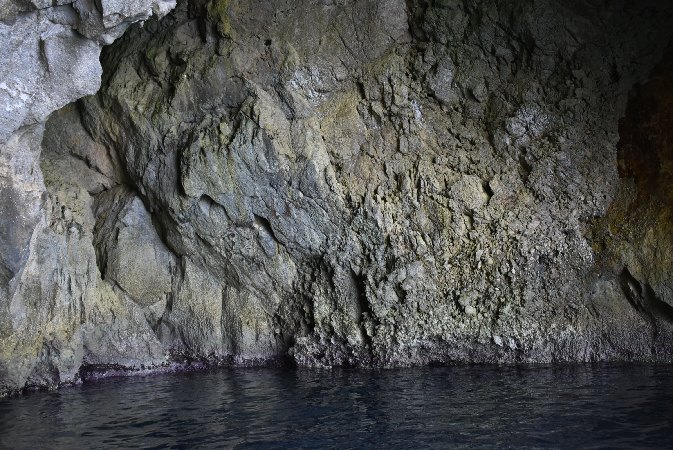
49 57
353 183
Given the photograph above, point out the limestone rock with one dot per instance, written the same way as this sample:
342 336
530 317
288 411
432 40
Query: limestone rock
49 57
368 183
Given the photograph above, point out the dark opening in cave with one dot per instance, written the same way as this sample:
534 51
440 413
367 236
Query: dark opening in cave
645 150
636 233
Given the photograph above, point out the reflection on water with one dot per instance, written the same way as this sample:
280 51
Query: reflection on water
568 406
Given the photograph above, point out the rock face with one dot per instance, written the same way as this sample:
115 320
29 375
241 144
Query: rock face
362 183
49 58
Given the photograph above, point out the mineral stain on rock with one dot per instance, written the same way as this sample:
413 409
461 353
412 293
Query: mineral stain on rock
364 183
638 228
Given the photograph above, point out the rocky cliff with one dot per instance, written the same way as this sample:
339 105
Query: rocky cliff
359 183
49 57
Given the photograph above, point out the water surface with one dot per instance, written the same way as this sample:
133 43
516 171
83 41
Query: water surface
560 407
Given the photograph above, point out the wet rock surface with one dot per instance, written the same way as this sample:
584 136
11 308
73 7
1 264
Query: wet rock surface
377 183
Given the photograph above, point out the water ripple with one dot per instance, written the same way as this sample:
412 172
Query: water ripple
460 407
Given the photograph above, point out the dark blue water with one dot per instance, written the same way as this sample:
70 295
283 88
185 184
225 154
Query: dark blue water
560 407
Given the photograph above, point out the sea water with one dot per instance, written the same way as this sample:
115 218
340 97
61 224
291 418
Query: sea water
568 406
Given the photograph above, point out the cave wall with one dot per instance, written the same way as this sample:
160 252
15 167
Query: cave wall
49 57
350 183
